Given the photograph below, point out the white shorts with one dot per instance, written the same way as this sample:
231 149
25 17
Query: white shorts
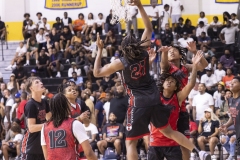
175 18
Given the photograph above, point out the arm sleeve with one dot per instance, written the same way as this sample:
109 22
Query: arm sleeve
79 132
43 142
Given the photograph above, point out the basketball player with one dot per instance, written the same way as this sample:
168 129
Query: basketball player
234 107
172 61
61 135
172 96
36 112
144 103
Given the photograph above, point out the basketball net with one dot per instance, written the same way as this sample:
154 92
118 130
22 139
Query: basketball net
120 11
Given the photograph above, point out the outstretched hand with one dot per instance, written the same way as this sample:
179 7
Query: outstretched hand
192 46
99 42
197 58
164 49
134 2
152 55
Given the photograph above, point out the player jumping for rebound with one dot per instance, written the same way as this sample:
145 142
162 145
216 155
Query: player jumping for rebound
144 103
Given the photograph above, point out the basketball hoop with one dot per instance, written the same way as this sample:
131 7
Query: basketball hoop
120 11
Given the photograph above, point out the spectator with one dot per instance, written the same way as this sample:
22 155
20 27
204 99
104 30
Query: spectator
86 95
202 18
191 95
99 111
201 28
106 105
116 56
33 73
208 130
99 24
133 21
164 17
91 131
204 40
175 12
71 52
78 80
227 36
228 78
26 21
67 22
32 50
193 128
74 69
55 63
179 27
119 104
2 29
58 25
214 28
109 42
22 88
19 57
65 38
12 85
54 39
213 62
39 20
30 30
42 62
3 86
109 26
191 30
166 36
112 135
41 39
227 60
89 25
81 59
107 82
155 17
20 73
183 42
226 18
201 101
234 20
17 100
79 24
229 143
219 72
20 109
218 94
209 80
77 40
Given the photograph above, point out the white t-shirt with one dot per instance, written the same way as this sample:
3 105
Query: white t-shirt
21 51
176 10
9 102
229 34
210 65
193 93
70 70
90 22
202 102
18 138
153 13
183 42
205 20
78 132
236 21
165 18
100 21
46 25
39 22
200 30
65 21
209 81
30 28
217 97
106 107
133 10
219 74
213 23
90 130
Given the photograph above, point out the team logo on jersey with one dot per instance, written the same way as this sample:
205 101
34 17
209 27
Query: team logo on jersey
129 127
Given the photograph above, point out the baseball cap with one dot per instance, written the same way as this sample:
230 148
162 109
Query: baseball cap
12 75
73 63
208 110
208 69
33 71
17 95
221 83
102 95
116 54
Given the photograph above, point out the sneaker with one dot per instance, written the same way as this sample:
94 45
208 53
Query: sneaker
103 32
26 64
50 77
151 73
203 155
67 61
155 76
58 75
230 158
213 157
120 33
9 68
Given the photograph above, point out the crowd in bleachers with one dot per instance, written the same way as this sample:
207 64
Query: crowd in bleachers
51 48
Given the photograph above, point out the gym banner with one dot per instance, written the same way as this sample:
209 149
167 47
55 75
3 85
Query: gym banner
149 2
65 4
227 1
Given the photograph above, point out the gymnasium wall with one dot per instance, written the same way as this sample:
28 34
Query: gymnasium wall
11 11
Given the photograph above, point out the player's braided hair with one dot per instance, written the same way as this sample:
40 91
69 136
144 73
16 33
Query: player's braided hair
182 52
132 48
162 79
61 88
59 107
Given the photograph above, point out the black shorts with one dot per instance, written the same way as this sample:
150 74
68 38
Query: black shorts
139 118
25 156
183 124
170 153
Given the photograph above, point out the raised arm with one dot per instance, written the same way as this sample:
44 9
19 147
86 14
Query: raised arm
147 34
182 95
108 69
164 58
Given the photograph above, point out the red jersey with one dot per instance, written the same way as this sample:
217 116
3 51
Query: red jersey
193 126
60 141
20 112
182 75
75 112
156 137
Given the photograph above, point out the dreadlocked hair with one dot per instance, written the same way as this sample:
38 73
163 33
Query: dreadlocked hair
182 52
59 107
61 88
162 79
132 48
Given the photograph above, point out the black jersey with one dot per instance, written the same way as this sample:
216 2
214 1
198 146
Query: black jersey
31 143
140 86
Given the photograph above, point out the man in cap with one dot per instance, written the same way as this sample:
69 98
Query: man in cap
183 42
74 69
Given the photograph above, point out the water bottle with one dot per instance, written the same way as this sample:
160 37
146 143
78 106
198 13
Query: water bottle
96 152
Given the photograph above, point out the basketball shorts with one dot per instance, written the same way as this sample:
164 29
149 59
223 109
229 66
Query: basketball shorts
183 124
139 118
170 153
32 156
175 18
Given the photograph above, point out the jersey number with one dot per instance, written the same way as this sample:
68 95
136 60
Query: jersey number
57 139
138 70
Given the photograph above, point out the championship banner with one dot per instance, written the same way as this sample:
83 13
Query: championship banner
150 2
65 4
227 1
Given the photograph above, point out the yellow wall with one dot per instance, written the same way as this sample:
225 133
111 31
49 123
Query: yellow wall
15 28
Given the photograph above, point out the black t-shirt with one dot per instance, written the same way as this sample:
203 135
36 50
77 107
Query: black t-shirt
108 84
2 25
20 73
25 22
209 127
43 60
32 141
67 36
58 26
166 37
113 130
119 107
189 30
54 38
